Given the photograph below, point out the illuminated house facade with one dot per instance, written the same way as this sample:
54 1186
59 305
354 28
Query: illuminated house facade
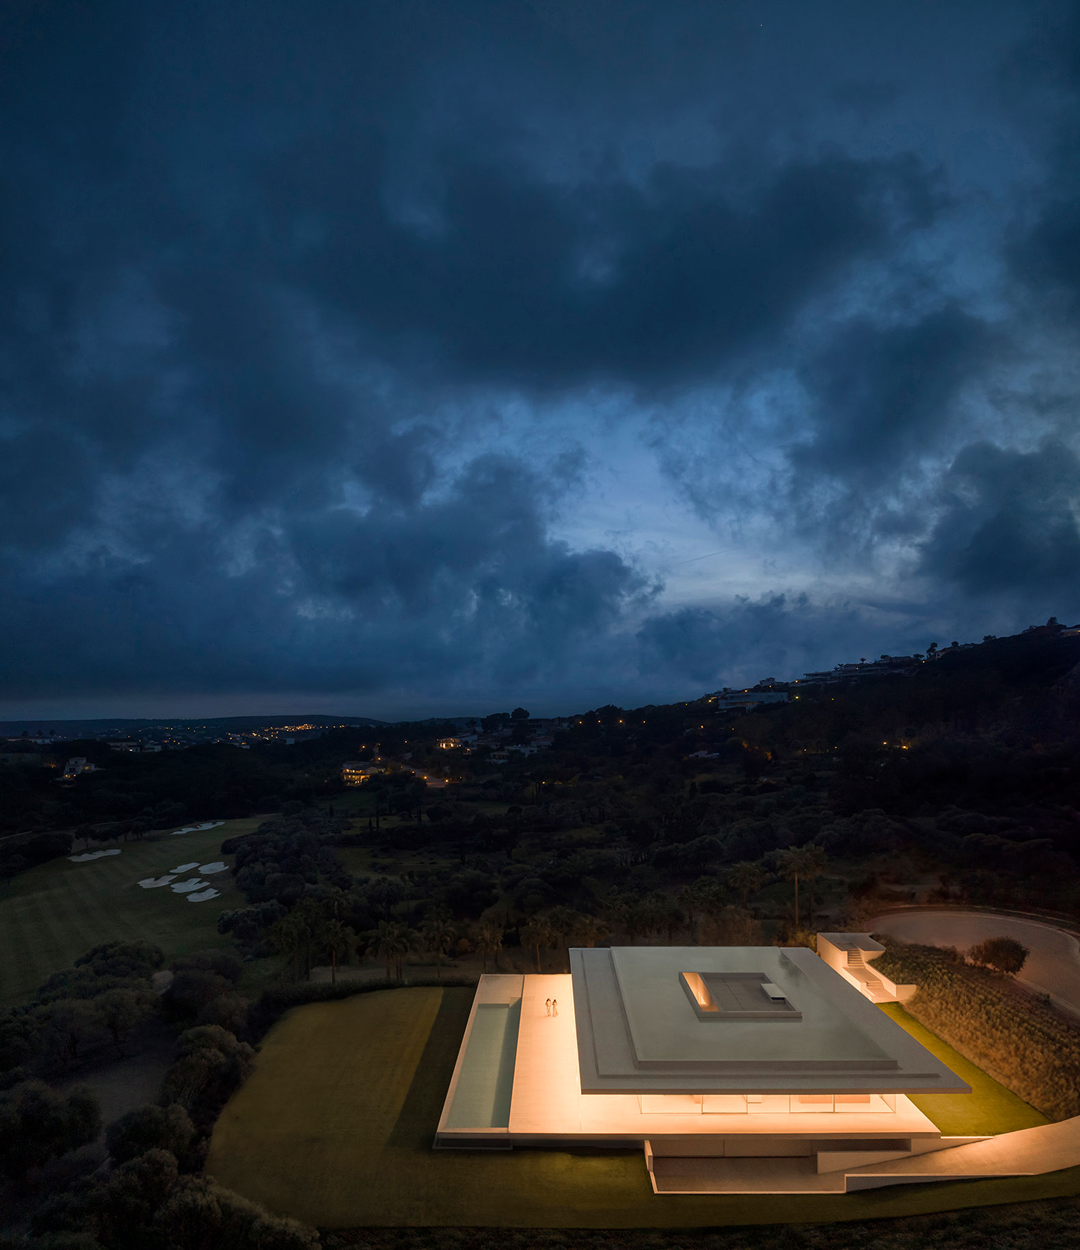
354 773
735 1069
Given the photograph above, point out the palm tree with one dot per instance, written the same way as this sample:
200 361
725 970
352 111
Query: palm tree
392 941
564 922
746 878
628 913
816 864
796 862
490 940
336 902
536 933
337 939
590 930
689 898
290 937
439 936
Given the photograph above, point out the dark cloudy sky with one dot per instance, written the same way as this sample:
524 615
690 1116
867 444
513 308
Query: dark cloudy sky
422 356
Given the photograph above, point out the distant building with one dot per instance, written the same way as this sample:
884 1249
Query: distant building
76 766
449 744
729 700
354 773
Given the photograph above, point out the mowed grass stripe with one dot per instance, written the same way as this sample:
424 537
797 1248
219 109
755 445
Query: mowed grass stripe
292 1135
44 932
28 934
57 911
72 916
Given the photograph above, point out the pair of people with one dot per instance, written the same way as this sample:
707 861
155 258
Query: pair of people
552 1005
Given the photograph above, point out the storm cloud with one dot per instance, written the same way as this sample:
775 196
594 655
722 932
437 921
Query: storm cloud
398 357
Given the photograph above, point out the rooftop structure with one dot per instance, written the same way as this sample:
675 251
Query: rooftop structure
762 1020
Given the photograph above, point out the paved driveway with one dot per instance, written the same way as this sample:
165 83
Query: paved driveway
1052 967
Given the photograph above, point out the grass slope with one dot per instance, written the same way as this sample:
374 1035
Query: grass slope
55 912
336 1123
990 1108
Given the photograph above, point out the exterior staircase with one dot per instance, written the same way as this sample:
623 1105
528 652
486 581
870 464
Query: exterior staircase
871 984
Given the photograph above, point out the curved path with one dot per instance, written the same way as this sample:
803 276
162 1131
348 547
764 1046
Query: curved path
1052 967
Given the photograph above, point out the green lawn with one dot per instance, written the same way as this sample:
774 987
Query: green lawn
55 912
336 1123
990 1108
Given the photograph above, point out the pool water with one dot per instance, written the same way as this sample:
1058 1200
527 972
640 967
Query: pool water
486 1077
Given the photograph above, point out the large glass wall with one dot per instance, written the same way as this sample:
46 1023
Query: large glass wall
766 1104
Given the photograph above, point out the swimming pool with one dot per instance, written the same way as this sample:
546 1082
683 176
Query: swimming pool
486 1076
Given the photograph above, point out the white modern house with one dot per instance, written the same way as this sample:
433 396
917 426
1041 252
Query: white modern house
735 1069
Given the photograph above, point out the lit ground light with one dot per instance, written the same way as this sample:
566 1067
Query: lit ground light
335 1127
56 912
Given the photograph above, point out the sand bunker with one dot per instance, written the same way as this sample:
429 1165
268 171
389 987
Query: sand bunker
185 887
202 896
82 859
154 883
207 824
185 867
210 869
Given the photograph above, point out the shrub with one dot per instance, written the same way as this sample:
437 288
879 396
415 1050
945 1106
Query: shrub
223 963
119 1011
150 1128
145 1203
210 1065
248 924
20 1036
199 1213
38 1124
66 1024
230 1011
190 991
1003 954
1033 1051
117 1209
123 959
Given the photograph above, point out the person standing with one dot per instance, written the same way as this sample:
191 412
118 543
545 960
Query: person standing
547 1004
554 1006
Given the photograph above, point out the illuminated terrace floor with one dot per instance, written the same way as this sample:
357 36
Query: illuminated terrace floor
547 1103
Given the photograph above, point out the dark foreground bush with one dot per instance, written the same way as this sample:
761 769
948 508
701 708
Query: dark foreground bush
199 1214
38 1124
210 1065
146 1205
1044 1225
223 963
150 1128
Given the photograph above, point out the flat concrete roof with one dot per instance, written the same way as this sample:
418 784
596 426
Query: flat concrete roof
854 941
638 1030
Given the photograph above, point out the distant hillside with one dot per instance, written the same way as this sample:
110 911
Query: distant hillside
138 725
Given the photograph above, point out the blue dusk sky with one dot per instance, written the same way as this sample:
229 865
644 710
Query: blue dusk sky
409 357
